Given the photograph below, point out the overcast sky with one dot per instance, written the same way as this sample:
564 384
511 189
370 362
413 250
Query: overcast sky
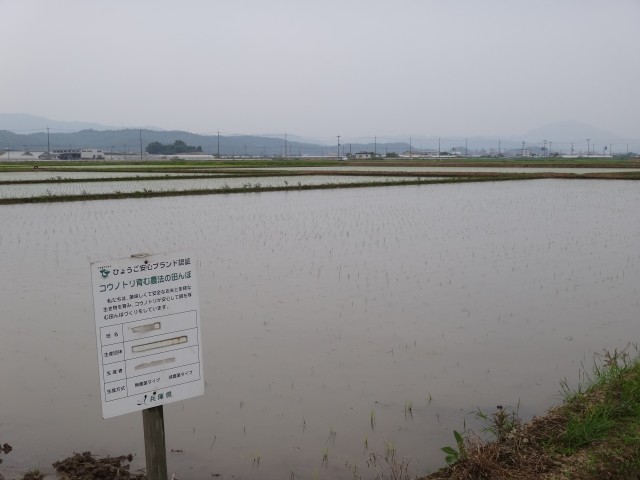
320 68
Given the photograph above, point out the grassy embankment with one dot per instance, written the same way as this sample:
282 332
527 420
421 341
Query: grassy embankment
594 434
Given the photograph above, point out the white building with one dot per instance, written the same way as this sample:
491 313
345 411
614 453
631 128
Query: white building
91 154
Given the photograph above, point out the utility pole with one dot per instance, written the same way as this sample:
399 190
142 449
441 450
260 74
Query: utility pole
498 147
410 155
338 146
438 147
48 146
285 145
550 143
572 149
588 147
375 147
218 145
466 150
140 144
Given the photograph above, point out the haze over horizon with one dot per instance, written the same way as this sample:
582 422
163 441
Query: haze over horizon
319 69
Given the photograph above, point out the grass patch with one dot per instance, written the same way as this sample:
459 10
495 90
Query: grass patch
594 434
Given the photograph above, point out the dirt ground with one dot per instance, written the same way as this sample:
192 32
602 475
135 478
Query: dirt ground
85 466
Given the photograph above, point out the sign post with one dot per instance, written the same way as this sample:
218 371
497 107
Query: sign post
148 339
155 451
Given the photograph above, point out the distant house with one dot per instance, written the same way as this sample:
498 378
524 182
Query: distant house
364 155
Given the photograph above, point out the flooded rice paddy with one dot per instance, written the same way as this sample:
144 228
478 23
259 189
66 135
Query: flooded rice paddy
54 176
128 186
436 169
333 321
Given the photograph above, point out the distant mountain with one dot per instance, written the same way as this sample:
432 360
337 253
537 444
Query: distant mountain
570 131
22 131
20 122
129 140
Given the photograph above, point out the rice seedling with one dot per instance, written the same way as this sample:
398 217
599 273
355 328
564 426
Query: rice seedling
383 466
389 451
408 409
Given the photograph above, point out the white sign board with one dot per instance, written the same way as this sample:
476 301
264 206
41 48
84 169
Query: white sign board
147 331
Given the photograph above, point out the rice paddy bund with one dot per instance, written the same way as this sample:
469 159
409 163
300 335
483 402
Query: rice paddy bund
28 182
337 322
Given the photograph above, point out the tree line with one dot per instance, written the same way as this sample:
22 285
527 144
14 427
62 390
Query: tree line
157 148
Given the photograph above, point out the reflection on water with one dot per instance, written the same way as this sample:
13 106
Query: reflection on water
322 310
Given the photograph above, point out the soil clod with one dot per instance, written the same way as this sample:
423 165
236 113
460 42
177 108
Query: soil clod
85 466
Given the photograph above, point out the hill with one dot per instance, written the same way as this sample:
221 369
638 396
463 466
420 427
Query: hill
22 131
570 131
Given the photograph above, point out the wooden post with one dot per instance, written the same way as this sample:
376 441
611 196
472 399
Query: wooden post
155 451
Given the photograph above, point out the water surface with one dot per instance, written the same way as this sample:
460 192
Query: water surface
321 310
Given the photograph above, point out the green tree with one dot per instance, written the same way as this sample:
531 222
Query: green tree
179 146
